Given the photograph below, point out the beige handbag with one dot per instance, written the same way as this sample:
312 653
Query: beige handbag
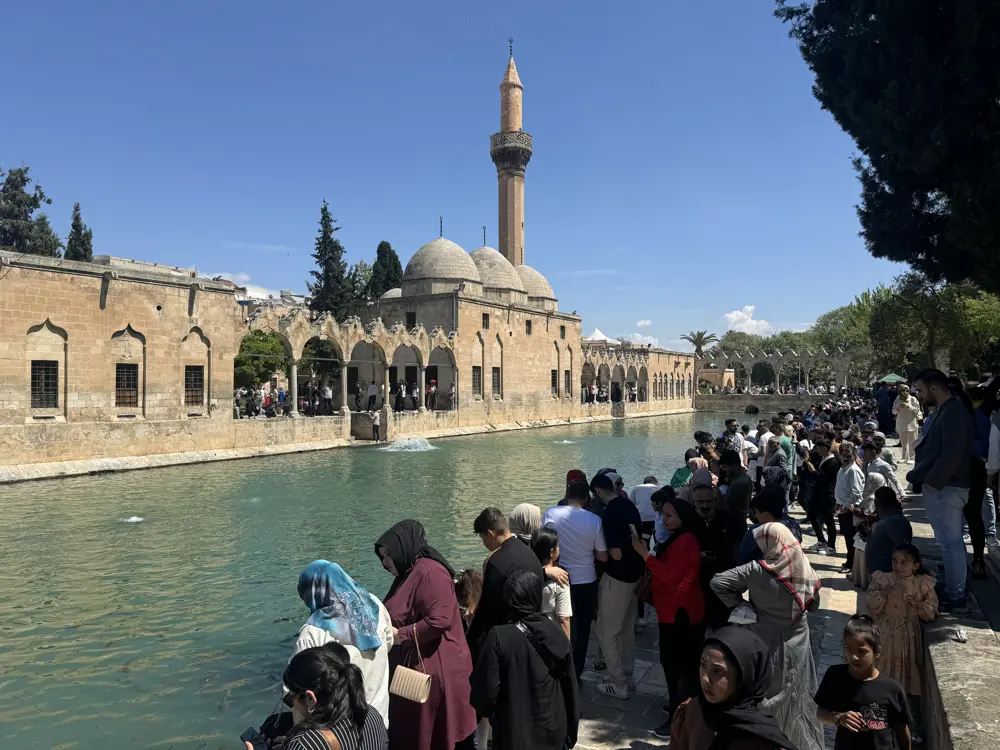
412 684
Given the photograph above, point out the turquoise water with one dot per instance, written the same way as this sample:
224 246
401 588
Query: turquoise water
173 631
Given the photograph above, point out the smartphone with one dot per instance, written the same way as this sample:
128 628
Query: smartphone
252 736
635 532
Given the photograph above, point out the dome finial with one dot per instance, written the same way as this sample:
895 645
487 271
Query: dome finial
440 226
484 235
510 44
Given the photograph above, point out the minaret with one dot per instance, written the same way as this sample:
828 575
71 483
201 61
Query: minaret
510 150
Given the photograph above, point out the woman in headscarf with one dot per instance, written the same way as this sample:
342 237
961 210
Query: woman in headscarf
677 596
700 476
524 681
343 612
783 588
906 410
428 637
524 521
735 675
683 474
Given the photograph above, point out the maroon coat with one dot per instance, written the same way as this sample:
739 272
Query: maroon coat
425 605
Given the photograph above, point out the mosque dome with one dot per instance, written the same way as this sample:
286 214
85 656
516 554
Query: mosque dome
496 271
535 284
438 267
392 293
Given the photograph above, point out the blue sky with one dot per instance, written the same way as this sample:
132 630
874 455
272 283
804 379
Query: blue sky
682 171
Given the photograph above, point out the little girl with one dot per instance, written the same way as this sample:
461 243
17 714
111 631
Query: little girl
900 600
868 708
556 604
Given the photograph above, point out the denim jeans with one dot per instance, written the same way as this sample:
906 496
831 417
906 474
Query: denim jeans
945 511
990 515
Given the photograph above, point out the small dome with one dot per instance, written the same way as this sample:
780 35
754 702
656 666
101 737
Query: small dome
392 293
441 259
496 271
535 283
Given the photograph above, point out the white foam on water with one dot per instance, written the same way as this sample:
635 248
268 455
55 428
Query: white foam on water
132 519
409 445
565 442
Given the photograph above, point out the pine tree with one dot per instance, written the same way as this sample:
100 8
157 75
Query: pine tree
80 244
329 290
19 230
387 272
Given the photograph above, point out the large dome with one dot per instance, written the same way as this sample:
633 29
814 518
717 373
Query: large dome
441 259
535 284
496 271
392 293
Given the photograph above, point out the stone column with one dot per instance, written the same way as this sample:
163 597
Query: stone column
294 388
385 385
344 408
421 374
805 369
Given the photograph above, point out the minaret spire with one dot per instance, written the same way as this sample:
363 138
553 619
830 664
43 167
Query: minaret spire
510 150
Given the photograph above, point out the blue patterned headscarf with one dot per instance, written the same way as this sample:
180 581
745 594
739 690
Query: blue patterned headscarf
339 605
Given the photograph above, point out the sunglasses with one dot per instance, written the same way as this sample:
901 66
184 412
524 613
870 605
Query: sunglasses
289 698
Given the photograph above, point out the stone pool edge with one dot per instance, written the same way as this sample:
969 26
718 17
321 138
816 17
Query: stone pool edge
18 473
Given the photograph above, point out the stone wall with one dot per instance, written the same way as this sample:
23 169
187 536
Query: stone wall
766 405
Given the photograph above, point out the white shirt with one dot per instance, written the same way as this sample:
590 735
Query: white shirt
740 444
640 497
372 390
376 418
993 461
327 392
580 536
374 665
556 601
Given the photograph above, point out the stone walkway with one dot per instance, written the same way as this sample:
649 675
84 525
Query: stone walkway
612 724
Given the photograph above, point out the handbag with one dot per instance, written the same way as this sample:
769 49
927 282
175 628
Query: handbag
644 588
412 684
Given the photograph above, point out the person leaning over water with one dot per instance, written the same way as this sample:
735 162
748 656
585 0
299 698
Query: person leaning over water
327 696
343 612
429 637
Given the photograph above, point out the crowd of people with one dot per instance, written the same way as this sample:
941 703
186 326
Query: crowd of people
601 393
492 656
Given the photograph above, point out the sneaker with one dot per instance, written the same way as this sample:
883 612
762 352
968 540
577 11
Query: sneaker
992 543
599 665
662 731
978 568
966 538
955 606
825 551
845 568
609 688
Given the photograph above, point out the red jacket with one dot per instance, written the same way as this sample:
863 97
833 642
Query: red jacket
676 583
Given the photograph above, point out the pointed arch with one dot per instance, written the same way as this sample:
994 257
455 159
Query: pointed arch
128 358
497 372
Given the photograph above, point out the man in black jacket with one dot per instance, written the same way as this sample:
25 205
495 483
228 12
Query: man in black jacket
507 554
823 499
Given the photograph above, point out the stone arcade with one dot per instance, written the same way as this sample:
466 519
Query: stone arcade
104 361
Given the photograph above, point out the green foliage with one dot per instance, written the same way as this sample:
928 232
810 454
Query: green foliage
317 355
329 289
915 85
387 272
80 243
20 229
699 340
251 369
359 283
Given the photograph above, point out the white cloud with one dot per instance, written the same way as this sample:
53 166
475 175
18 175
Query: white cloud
743 321
259 246
242 278
638 338
643 323
680 345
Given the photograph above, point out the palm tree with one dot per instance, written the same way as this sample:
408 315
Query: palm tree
699 340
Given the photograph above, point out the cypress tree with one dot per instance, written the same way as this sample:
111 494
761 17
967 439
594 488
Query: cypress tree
329 290
387 272
80 243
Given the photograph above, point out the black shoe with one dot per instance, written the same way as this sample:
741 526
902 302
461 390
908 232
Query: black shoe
955 606
978 570
845 568
662 731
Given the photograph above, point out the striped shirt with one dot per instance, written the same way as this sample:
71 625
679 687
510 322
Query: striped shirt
372 736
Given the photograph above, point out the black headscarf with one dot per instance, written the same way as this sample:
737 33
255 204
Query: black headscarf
522 593
740 716
691 520
406 544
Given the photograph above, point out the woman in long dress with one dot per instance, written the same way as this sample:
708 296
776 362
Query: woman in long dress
428 637
783 588
906 410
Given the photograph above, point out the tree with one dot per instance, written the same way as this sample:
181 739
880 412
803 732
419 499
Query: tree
915 86
261 355
699 340
20 230
359 282
319 355
80 243
329 289
387 272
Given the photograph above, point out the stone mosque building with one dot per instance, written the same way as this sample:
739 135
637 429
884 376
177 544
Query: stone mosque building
121 364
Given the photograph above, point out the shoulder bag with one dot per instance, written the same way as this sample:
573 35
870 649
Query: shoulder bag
409 683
